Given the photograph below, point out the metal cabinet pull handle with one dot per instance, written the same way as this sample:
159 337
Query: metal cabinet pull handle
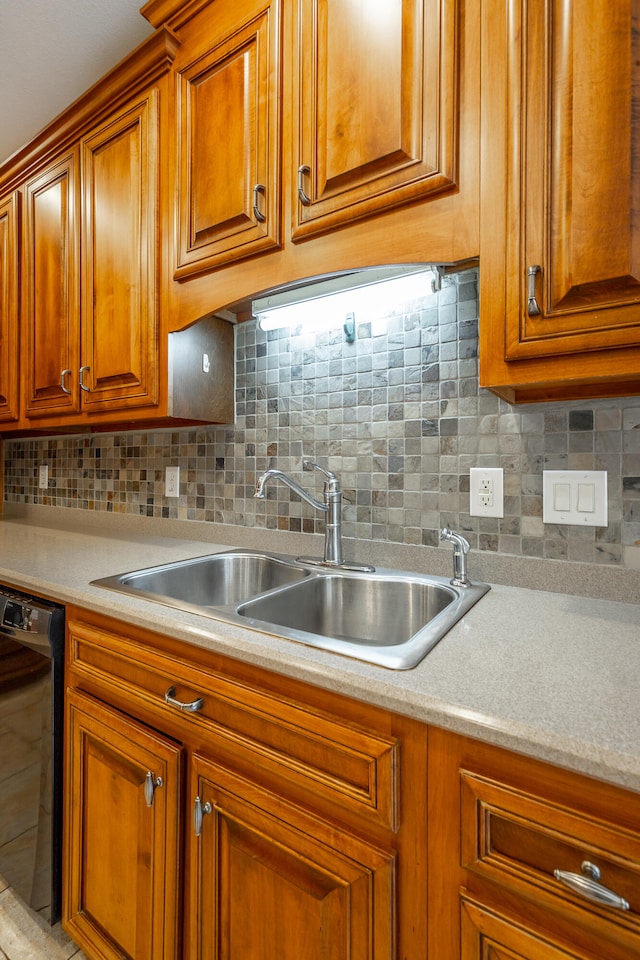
586 885
192 707
533 307
150 786
83 385
304 198
65 373
257 212
199 811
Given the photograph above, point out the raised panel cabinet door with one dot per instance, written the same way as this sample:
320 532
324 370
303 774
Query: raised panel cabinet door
560 204
51 321
121 834
119 260
9 299
489 936
377 109
229 140
269 880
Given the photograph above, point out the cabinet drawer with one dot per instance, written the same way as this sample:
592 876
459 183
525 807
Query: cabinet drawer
520 840
274 739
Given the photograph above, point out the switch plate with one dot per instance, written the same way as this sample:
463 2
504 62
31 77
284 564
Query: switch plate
486 487
577 497
172 482
43 476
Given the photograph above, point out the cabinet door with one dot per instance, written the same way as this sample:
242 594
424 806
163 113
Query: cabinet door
119 200
488 936
9 259
377 114
267 879
121 839
229 138
561 197
51 323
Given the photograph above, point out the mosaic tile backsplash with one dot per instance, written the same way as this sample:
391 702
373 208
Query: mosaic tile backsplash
397 414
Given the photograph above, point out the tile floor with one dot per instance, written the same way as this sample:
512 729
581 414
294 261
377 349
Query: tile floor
25 935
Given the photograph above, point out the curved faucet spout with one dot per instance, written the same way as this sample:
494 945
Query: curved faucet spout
275 474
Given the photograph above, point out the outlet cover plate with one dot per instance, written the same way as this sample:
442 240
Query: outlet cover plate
486 492
577 497
172 482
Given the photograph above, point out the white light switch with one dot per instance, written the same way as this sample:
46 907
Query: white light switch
562 496
586 498
576 497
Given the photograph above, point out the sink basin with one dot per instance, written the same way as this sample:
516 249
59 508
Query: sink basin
364 610
388 618
218 580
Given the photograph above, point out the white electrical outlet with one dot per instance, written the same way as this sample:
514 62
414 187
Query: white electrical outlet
486 488
43 476
172 482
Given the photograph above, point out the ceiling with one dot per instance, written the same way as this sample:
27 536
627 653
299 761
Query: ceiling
54 50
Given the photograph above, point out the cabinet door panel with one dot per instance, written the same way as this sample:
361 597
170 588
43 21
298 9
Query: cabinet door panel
52 291
122 854
559 206
228 147
9 258
269 879
488 936
581 154
119 171
377 107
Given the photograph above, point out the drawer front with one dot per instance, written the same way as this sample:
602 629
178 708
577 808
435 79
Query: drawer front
519 841
264 736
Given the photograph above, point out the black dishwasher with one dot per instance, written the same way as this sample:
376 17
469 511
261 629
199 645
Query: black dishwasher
31 717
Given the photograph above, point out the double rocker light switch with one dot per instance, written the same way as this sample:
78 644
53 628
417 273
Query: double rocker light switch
575 497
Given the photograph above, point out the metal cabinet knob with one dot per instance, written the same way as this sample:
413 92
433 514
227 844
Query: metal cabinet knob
191 707
258 190
303 197
200 809
83 385
586 885
533 307
151 784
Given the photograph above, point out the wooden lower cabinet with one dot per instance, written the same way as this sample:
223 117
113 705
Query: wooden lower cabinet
218 811
488 936
122 820
269 880
289 822
506 824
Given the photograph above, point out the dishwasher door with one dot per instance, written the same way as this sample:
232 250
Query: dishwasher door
31 691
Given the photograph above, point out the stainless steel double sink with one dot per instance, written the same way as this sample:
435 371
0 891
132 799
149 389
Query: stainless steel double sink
387 617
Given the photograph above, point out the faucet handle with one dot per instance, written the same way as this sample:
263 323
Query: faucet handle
311 464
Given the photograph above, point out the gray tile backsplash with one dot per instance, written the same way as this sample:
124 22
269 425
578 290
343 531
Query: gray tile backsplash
397 414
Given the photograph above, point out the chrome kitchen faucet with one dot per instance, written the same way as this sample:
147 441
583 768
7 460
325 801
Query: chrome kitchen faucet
331 506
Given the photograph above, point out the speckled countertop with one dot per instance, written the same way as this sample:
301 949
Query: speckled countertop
552 675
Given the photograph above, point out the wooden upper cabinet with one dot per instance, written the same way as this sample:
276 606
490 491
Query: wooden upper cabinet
9 299
229 135
51 321
119 167
560 204
377 109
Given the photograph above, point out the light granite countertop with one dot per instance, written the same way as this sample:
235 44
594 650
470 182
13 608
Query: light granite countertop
551 675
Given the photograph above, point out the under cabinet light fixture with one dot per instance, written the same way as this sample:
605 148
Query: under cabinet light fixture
367 294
